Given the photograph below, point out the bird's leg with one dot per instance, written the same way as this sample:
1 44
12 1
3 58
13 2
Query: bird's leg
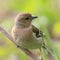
41 58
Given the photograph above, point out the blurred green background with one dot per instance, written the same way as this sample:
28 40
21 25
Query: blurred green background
48 12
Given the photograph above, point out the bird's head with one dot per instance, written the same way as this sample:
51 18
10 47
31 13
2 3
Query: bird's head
24 19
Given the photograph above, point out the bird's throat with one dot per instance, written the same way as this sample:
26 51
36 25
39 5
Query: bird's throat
22 25
18 24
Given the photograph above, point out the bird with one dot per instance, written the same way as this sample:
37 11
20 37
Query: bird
24 33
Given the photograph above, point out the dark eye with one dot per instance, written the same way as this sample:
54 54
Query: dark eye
27 18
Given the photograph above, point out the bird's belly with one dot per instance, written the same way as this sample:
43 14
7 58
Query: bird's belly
29 42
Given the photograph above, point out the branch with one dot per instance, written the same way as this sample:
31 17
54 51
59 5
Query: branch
7 34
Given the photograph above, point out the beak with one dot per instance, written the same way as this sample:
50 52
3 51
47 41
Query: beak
34 17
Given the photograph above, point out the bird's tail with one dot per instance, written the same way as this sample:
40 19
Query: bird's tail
48 52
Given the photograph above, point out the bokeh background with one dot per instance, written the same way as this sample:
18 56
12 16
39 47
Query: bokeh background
48 12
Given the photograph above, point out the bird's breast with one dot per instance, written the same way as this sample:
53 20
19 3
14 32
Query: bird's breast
21 33
26 32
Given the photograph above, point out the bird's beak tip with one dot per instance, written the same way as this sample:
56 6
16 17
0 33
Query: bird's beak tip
34 17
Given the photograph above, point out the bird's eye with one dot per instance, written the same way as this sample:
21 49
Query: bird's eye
27 18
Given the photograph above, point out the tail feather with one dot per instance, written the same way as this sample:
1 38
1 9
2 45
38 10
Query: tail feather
49 52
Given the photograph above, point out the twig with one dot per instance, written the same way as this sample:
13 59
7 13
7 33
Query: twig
25 50
6 33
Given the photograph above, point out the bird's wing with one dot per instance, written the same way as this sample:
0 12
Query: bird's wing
38 32
35 29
